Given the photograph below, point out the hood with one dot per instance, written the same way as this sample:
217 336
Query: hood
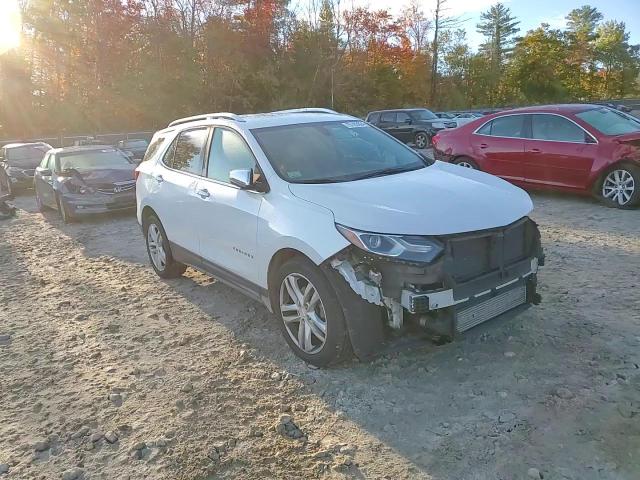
103 177
630 138
440 199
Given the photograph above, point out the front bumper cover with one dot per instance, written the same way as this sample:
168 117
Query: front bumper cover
99 203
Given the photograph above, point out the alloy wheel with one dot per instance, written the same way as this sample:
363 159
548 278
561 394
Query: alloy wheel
465 165
421 140
155 245
303 313
618 186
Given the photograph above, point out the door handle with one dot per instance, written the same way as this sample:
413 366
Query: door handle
158 178
484 145
535 150
203 193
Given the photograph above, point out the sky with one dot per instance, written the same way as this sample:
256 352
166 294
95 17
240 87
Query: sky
531 13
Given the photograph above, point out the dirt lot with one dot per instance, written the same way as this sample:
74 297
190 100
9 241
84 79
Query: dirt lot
107 372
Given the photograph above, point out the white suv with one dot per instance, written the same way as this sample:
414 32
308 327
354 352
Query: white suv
339 229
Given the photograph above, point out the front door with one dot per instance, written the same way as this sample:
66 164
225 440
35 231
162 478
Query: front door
43 181
559 153
228 215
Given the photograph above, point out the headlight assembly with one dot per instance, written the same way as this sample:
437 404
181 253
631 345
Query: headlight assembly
412 248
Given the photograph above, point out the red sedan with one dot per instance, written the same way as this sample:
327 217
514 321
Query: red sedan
588 149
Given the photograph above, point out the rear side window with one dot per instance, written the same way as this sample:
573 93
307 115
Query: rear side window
511 126
153 147
388 117
485 129
374 118
556 128
228 152
188 151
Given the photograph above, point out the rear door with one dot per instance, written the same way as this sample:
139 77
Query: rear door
388 122
228 215
404 129
559 153
498 146
175 179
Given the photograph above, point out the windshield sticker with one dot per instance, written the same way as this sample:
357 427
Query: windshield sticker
355 124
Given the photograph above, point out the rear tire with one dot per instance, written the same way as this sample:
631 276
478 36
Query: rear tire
620 187
159 249
422 140
310 314
466 162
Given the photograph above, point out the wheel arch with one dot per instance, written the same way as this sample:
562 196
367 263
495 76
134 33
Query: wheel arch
596 185
147 211
277 260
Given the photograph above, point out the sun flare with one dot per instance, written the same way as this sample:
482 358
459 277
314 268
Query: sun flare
10 25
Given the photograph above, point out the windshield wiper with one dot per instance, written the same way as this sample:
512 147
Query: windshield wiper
385 171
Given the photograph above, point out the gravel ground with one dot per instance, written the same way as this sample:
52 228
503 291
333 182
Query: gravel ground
108 372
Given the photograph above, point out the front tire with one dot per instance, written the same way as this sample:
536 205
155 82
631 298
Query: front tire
466 162
422 140
159 250
63 211
620 187
310 313
39 205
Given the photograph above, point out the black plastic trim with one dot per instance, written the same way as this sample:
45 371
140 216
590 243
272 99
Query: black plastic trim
227 277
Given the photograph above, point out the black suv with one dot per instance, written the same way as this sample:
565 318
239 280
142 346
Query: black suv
410 125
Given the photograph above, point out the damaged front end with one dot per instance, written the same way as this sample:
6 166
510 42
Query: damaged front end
449 283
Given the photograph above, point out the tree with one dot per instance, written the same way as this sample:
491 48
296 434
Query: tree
441 23
619 61
499 28
538 71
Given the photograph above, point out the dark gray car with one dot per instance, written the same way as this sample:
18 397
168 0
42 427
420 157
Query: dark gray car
85 180
19 161
410 125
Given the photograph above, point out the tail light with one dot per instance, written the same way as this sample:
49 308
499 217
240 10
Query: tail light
136 174
435 139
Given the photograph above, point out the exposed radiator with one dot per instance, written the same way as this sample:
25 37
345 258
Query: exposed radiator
492 307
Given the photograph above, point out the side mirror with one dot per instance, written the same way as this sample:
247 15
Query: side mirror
242 178
407 121
45 172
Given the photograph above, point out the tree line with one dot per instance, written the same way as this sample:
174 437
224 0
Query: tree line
113 65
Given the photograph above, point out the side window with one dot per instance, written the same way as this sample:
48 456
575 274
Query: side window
153 148
45 161
374 117
167 158
228 152
508 126
402 117
189 151
485 129
556 128
388 117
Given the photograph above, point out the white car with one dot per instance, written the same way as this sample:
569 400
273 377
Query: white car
338 228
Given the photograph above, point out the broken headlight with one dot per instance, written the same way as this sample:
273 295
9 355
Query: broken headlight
412 248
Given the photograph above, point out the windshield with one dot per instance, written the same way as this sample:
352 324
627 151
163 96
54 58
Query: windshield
330 152
422 114
28 156
93 160
610 122
136 143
